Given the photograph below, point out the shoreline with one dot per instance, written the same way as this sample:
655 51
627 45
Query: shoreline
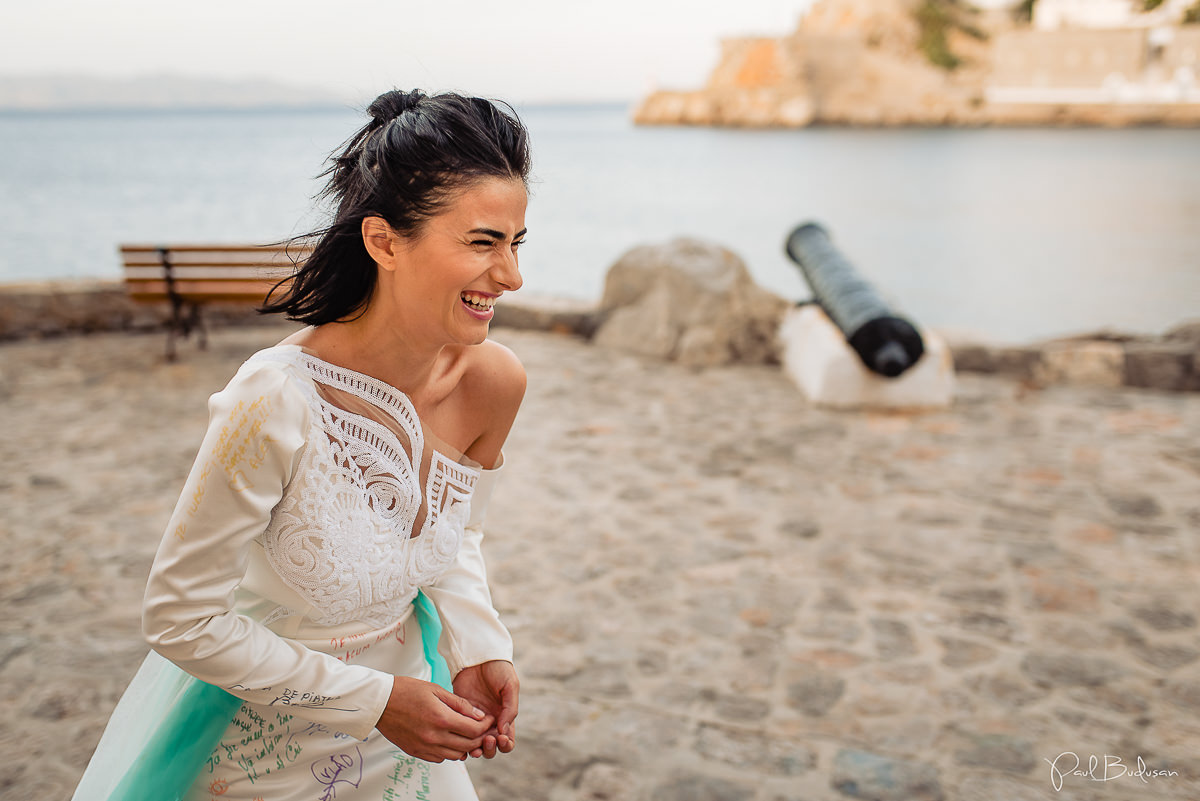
1107 358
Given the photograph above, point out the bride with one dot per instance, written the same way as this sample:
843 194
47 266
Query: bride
322 570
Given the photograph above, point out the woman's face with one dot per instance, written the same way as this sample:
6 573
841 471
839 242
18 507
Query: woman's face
447 277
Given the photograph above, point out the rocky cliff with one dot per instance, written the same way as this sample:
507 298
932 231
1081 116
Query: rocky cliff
912 62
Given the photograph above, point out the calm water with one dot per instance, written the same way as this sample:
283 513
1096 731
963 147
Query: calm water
1014 234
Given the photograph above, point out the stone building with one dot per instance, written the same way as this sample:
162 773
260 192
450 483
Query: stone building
1136 71
1053 15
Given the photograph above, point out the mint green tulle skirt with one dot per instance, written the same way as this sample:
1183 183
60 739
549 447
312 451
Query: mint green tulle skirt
168 723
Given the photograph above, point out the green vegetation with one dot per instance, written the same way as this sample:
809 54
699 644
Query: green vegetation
936 18
1150 5
1024 11
1192 15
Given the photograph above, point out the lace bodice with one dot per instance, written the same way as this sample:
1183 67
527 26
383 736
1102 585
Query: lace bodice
373 512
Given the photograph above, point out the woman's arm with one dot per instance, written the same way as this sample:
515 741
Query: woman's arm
257 430
476 644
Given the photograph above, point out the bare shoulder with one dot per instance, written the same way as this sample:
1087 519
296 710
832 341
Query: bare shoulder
494 372
493 385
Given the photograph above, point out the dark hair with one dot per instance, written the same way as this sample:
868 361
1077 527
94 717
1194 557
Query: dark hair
403 166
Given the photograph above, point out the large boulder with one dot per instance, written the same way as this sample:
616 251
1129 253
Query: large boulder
689 301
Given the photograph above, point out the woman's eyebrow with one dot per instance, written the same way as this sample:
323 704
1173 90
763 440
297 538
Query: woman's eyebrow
496 234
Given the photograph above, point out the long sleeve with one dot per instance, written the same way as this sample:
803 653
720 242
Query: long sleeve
257 432
471 629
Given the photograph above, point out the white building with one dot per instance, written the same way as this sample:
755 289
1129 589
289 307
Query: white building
1053 15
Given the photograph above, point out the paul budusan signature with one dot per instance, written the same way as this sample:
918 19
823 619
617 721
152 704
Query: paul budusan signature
1100 769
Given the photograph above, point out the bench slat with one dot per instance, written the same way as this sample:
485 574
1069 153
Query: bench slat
228 272
201 290
209 262
142 248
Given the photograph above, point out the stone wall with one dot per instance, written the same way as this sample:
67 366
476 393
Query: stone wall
60 308
1170 362
57 308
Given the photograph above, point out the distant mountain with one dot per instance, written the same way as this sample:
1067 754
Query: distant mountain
165 91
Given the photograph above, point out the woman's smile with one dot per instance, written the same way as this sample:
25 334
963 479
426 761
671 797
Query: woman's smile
479 304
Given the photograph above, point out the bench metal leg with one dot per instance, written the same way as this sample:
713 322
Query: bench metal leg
171 334
196 320
181 324
176 326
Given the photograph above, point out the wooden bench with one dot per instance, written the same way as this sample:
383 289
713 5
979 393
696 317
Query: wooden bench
190 276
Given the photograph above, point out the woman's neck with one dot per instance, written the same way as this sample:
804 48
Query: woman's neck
382 350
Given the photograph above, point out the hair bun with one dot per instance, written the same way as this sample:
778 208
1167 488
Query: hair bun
390 105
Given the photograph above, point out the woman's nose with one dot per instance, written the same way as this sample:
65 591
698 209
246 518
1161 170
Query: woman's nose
507 273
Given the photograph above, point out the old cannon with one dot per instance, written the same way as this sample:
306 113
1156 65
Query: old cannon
886 343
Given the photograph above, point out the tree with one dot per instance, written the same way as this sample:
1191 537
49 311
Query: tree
935 19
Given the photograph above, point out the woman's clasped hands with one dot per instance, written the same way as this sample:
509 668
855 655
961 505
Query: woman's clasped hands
429 723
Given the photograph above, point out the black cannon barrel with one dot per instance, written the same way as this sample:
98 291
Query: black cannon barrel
885 342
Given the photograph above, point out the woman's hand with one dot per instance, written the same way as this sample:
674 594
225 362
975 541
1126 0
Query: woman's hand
492 687
426 722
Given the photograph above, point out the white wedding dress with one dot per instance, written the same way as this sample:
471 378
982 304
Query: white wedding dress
317 508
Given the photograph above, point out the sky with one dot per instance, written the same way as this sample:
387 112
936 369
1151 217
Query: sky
524 51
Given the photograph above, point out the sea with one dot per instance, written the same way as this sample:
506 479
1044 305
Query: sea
1009 235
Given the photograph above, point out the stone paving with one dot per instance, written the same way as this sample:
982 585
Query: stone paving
717 592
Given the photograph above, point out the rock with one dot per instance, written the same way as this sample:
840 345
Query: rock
560 315
1133 504
1051 591
532 781
994 626
690 302
996 751
1103 358
1184 694
741 709
817 357
630 731
701 788
799 529
861 774
1072 362
1015 361
815 692
758 753
1166 657
1188 332
1004 688
1069 669
13 645
603 780
834 600
969 595
965 653
893 639
1154 365
1164 617
978 788
1121 700
605 679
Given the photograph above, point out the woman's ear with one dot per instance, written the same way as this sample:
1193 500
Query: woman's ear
381 241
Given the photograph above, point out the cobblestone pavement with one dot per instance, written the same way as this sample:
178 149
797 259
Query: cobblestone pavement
717 591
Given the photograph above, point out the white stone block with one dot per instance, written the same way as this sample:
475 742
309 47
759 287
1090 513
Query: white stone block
817 357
